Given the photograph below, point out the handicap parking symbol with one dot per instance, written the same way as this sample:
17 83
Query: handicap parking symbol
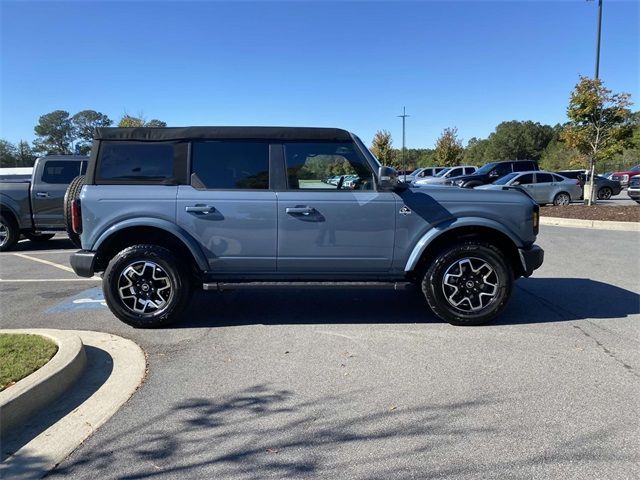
91 299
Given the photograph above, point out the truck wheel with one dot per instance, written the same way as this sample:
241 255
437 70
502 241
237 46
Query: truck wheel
468 283
146 286
604 193
38 237
72 193
9 232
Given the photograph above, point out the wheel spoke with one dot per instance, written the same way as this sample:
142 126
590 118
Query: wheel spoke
144 288
470 284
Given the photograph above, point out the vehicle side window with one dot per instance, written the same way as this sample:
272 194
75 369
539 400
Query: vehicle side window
558 178
83 167
544 178
59 172
526 179
523 166
321 166
131 162
502 169
230 164
469 170
454 172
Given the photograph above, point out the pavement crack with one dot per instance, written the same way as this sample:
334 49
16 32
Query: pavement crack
625 365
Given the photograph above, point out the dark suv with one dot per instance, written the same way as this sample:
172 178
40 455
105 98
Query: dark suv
168 210
491 172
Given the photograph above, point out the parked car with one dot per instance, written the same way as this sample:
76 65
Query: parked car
446 175
491 172
624 176
159 218
424 172
634 188
544 187
33 206
606 188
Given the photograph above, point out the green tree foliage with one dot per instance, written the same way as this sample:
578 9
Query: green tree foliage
128 121
449 150
559 156
7 154
382 147
155 123
24 154
475 153
516 140
84 123
600 122
55 133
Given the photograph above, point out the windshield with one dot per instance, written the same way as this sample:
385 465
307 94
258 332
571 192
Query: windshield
485 168
442 173
635 169
506 179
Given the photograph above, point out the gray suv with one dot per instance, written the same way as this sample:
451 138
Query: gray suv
167 210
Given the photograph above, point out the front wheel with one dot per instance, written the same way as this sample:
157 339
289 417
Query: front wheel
562 199
9 233
604 193
146 286
468 283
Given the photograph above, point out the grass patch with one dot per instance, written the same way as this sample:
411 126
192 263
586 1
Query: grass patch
21 355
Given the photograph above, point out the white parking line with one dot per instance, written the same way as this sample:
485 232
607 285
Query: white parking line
41 252
46 262
43 280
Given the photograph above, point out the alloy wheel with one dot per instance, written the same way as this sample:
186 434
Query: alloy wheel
145 288
470 284
4 234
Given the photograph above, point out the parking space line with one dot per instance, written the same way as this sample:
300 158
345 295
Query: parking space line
40 252
36 280
46 262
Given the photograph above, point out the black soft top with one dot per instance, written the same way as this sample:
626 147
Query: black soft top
253 133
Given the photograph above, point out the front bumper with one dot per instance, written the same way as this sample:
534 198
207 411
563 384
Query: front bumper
634 193
83 263
531 259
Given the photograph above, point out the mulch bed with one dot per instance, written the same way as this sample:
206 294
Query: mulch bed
626 213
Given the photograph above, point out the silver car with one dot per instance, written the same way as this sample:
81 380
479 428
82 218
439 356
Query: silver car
544 187
445 175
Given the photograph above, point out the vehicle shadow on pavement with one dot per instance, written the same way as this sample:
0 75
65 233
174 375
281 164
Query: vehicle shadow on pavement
534 300
264 432
98 369
53 244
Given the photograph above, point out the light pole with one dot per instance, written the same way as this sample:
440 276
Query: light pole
592 168
404 165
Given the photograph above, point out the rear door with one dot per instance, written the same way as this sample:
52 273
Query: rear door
328 228
229 206
543 188
47 196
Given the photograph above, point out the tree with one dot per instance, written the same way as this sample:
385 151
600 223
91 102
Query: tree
84 123
7 154
559 156
128 121
449 150
55 133
475 152
599 122
155 123
24 154
382 147
516 140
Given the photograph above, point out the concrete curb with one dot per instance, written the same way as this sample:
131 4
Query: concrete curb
54 444
595 224
43 386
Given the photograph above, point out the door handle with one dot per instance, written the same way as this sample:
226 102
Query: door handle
204 209
42 194
300 210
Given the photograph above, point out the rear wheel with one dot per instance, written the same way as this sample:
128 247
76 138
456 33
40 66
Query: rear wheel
38 237
468 283
146 286
9 232
605 193
72 193
562 198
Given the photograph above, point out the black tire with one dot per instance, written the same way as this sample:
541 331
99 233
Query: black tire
72 193
605 193
562 198
38 237
9 232
167 266
499 273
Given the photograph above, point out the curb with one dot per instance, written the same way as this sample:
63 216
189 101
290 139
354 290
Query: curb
43 386
595 224
128 366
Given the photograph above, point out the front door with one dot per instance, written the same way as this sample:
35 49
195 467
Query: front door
48 192
229 208
346 227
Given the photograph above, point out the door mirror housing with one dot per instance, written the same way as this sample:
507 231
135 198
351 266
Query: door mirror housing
493 174
516 183
387 179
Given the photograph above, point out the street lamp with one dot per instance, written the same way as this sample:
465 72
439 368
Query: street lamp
404 165
592 170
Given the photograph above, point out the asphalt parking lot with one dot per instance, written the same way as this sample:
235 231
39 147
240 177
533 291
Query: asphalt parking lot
368 384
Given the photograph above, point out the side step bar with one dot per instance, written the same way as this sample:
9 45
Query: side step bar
220 286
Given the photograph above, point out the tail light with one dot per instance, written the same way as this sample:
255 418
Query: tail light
536 219
76 216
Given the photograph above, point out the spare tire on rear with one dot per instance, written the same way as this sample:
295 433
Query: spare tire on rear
73 192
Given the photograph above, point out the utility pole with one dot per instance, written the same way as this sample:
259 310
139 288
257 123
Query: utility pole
592 170
404 164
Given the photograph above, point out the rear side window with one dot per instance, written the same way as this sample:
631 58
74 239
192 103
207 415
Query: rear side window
558 178
133 162
60 172
230 165
544 178
523 166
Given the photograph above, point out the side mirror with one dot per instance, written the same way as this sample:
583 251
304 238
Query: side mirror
493 174
516 183
387 179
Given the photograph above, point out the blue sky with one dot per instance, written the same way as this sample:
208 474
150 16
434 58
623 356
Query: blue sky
354 65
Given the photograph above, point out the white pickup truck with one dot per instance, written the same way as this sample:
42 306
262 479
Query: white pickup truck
34 206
